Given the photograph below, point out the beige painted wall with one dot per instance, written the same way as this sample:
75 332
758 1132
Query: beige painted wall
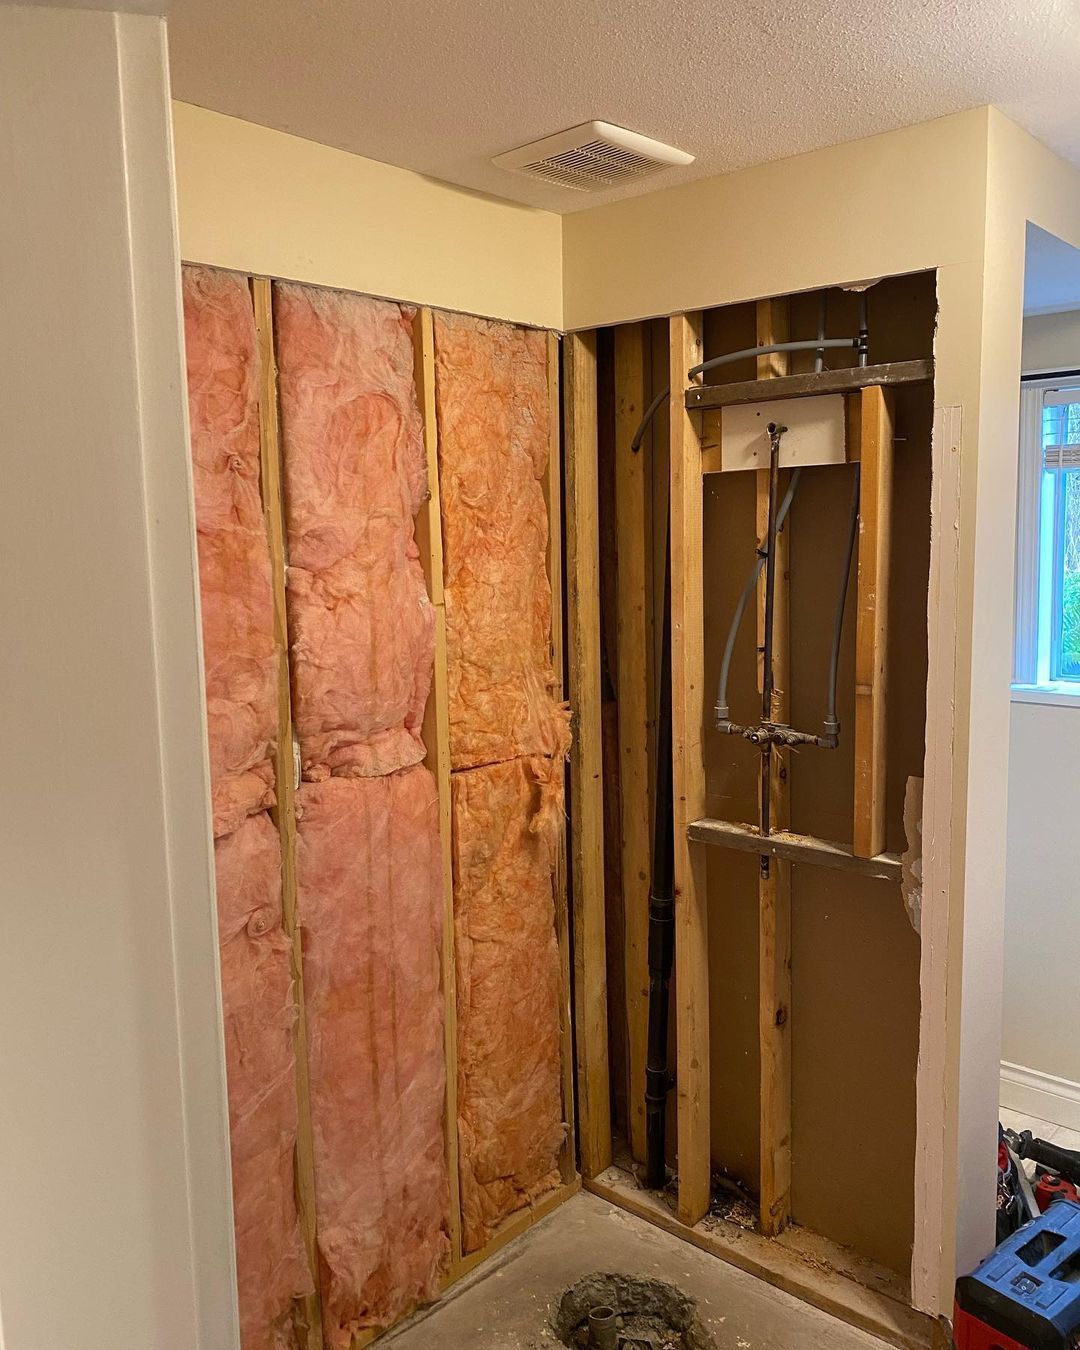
847 213
116 1219
1042 898
1052 341
1025 183
265 202
1042 918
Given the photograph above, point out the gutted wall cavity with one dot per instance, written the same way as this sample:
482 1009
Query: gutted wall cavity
508 741
240 671
361 646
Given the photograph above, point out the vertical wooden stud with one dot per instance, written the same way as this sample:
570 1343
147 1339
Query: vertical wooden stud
872 628
436 734
633 526
586 783
285 775
553 500
688 715
774 885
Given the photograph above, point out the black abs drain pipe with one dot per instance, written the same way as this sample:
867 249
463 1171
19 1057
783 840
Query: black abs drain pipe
658 1079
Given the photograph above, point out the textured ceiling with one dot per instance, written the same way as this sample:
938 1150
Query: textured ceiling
440 88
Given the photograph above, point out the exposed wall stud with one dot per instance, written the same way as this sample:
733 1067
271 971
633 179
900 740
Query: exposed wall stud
688 716
553 490
284 812
436 734
774 877
633 524
587 815
872 632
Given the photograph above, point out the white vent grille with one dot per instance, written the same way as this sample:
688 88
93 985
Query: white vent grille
592 156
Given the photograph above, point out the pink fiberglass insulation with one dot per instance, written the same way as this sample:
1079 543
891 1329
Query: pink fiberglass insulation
492 400
240 662
370 879
510 1121
361 624
257 998
240 673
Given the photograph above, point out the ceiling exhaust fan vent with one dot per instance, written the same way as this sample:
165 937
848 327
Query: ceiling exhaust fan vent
593 156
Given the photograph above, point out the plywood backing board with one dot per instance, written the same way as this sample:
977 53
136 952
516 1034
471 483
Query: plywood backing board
774 877
688 714
436 735
285 771
587 843
872 632
633 472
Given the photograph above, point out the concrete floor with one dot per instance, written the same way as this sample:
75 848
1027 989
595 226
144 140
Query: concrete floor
507 1305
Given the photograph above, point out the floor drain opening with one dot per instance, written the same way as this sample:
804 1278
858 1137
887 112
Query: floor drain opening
622 1312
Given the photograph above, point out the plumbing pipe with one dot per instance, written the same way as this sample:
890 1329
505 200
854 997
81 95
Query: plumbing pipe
603 1333
658 1080
819 358
776 430
802 345
832 724
744 599
864 329
747 352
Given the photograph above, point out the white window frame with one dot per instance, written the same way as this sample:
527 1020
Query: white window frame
1034 556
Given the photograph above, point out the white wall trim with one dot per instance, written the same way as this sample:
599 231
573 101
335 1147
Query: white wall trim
1029 472
1038 1094
1057 696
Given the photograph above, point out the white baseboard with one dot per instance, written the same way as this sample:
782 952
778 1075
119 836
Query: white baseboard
1041 1095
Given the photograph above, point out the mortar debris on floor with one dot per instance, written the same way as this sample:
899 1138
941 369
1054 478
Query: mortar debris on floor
513 1302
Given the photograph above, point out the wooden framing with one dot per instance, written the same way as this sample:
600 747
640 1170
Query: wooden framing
436 734
774 873
872 618
794 848
586 781
846 380
803 1264
633 525
553 497
285 781
688 715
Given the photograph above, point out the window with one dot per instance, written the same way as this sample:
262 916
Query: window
1048 539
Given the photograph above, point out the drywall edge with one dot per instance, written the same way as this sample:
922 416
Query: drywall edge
265 202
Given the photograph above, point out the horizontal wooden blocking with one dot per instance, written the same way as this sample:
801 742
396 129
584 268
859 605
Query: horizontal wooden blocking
688 717
872 619
586 780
